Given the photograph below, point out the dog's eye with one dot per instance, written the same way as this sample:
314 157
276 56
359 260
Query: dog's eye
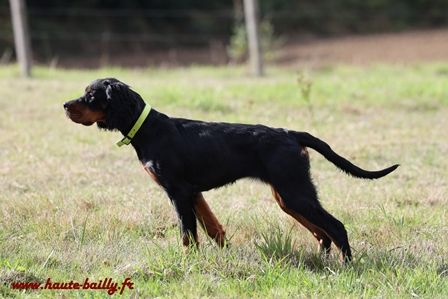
90 98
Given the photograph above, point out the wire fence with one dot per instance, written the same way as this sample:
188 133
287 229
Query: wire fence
140 25
97 33
170 35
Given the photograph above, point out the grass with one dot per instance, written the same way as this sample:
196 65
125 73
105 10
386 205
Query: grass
73 205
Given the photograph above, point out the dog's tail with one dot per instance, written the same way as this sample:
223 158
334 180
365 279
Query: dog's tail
323 148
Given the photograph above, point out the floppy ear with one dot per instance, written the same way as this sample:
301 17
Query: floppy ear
108 90
113 87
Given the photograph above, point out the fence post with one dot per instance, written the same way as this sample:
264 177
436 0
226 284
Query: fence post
21 36
253 36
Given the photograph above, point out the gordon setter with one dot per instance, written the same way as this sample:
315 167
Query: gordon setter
187 157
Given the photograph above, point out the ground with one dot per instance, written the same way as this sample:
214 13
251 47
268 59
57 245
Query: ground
75 206
399 47
300 51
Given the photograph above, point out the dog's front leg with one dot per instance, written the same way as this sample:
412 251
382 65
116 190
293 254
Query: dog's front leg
209 221
184 206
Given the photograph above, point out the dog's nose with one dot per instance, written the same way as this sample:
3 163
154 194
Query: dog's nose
66 105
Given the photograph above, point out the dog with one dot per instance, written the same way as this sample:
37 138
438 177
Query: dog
187 157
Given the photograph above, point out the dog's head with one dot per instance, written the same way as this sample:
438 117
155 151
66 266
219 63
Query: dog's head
108 102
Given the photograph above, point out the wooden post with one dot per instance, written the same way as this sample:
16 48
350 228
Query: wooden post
21 36
253 36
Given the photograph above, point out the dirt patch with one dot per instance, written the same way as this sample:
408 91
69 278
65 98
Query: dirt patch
405 47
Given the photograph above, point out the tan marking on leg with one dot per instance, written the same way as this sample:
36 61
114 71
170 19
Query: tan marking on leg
318 233
151 173
208 221
304 151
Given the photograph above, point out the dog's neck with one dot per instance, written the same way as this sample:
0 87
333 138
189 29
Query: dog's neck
126 126
123 114
154 126
136 127
129 118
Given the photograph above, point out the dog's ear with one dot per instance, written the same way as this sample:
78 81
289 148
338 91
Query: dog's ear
108 90
113 88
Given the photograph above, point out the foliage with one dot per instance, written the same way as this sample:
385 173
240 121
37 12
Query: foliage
238 45
275 242
305 85
134 25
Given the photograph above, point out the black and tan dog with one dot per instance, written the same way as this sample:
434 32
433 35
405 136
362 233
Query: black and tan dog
187 157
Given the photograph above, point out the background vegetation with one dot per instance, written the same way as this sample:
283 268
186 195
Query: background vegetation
80 28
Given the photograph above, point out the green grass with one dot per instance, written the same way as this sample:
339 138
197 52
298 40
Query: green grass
73 205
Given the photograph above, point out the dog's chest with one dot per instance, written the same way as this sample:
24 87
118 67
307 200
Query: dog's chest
150 168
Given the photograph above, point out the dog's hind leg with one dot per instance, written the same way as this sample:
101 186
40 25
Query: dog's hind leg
322 238
208 221
304 205
288 173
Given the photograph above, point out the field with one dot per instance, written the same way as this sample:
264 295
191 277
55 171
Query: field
75 206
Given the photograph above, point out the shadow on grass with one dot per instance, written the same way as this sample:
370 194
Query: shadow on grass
379 261
276 244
